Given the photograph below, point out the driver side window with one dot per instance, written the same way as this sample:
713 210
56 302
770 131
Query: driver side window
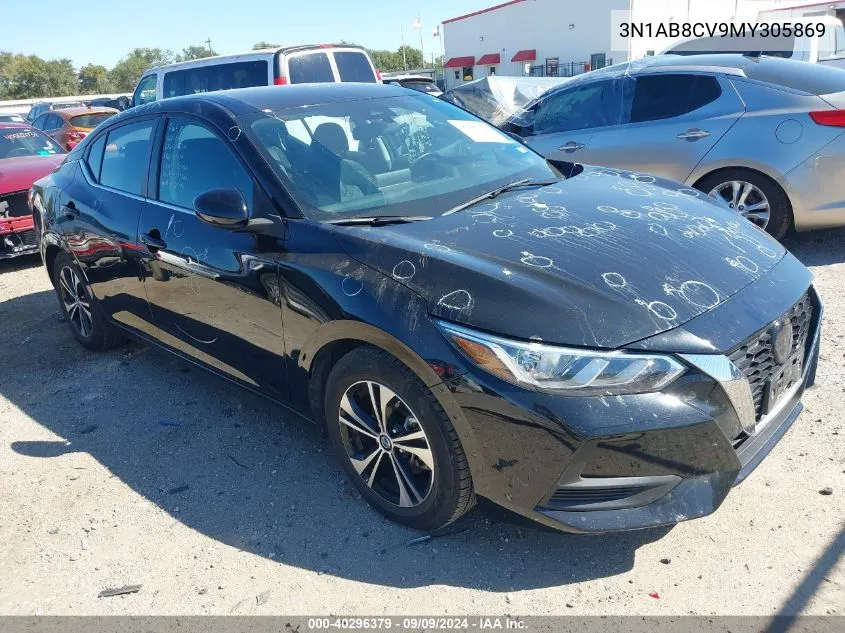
193 161
586 107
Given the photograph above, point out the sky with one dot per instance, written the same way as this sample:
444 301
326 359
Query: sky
103 32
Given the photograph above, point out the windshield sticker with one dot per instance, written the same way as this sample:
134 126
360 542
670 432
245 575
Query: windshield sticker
481 132
16 135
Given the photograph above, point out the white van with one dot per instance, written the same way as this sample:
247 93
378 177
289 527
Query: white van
825 46
324 63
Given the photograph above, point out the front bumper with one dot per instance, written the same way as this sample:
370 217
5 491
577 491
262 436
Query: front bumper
17 237
17 229
602 464
814 188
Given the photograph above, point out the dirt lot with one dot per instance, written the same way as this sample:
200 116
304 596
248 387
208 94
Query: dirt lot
132 468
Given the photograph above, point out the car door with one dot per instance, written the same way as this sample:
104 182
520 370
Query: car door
53 128
99 216
564 122
674 120
213 292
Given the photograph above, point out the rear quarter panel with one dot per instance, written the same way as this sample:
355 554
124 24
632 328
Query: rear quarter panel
774 136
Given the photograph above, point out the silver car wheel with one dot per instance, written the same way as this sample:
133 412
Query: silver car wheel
76 305
386 444
745 199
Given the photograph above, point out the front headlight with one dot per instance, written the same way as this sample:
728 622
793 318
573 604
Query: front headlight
564 370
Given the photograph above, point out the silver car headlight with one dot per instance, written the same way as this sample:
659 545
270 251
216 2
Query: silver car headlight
564 370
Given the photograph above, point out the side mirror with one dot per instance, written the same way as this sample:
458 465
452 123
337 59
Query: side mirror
225 208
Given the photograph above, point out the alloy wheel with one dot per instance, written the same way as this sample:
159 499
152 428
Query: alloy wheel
745 199
75 301
386 444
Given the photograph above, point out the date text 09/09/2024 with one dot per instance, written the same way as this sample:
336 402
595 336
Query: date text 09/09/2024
720 29
428 623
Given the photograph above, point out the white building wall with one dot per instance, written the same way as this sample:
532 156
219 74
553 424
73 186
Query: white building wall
691 11
573 30
570 30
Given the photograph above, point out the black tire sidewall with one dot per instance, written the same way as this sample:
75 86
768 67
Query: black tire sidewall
439 507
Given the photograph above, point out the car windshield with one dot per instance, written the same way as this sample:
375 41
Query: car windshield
421 85
19 142
11 118
400 156
90 120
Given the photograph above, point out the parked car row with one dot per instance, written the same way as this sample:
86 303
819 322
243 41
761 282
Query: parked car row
762 135
25 156
463 317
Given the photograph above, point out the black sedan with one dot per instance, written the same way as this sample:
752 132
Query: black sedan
595 349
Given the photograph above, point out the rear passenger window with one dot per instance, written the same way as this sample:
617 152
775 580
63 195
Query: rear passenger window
666 96
310 68
354 66
193 161
95 156
215 77
124 165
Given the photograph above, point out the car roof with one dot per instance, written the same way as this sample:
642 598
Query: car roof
72 112
14 126
261 98
407 78
259 52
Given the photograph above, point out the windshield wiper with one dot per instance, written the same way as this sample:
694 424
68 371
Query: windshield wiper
379 220
525 182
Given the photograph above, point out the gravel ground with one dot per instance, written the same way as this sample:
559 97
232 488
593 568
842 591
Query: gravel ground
132 468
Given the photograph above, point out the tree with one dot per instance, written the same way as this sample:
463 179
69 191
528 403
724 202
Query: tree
196 52
29 76
125 75
263 44
391 61
93 79
413 56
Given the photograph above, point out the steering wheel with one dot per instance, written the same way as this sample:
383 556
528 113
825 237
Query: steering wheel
421 160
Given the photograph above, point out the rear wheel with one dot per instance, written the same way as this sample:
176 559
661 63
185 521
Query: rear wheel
80 308
753 195
395 441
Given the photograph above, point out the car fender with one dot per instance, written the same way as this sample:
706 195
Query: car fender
706 167
352 330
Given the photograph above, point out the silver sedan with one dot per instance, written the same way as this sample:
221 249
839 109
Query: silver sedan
762 135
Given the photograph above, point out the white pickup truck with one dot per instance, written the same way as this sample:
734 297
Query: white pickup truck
825 46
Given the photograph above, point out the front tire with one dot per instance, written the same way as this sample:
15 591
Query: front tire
395 442
79 306
753 195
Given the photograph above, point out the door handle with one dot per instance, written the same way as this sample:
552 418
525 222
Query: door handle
571 146
152 242
69 210
693 134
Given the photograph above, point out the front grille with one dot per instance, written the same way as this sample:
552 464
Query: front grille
754 355
14 205
28 238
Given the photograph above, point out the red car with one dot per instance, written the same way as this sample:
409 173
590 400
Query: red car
25 156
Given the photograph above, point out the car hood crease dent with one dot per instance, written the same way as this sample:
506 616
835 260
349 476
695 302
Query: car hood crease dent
601 260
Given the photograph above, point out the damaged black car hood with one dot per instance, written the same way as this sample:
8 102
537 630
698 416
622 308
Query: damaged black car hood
601 260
